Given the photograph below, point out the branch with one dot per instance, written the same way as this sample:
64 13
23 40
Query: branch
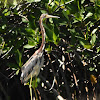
59 97
7 52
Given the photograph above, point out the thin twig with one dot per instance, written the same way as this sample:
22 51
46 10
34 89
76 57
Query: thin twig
73 71
67 3
62 5
64 78
53 72
66 85
23 16
59 97
7 52
52 84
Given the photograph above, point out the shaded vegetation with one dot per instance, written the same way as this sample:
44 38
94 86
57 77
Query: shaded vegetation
72 53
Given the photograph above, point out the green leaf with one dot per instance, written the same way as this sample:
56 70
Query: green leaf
14 2
69 50
25 20
93 39
43 11
5 3
82 1
17 72
49 32
27 46
91 69
18 58
85 44
66 13
32 41
94 30
88 46
30 31
98 49
48 48
88 15
30 1
4 26
54 37
92 1
37 0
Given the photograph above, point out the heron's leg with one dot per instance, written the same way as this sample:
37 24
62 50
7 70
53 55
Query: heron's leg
30 86
34 88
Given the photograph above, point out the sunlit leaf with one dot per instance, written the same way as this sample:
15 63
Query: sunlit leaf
32 41
92 1
4 26
17 72
98 49
88 15
91 69
57 2
54 37
5 3
93 39
25 20
82 1
85 44
30 30
33 1
94 30
88 46
48 48
37 0
27 46
15 2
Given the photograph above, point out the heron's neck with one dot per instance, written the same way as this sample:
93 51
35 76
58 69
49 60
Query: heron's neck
43 35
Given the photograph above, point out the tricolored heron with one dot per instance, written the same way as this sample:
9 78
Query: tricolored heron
33 65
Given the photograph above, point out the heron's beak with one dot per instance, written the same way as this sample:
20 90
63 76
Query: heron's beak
50 16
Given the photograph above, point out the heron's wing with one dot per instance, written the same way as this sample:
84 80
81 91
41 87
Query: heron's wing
31 62
30 66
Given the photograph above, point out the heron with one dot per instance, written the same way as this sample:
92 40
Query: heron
32 67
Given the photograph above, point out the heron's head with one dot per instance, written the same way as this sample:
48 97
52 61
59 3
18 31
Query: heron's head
48 16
